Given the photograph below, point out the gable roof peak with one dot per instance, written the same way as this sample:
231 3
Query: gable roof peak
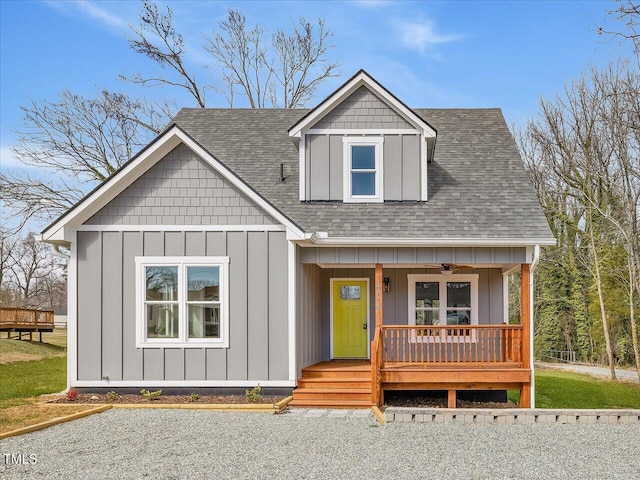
359 79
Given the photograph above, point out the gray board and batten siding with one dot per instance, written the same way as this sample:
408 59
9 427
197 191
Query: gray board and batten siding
181 189
401 167
419 255
309 323
185 190
258 332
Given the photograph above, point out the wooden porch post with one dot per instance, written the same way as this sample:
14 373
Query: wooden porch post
378 294
377 394
525 304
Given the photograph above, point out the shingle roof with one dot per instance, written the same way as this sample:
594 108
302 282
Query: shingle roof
477 184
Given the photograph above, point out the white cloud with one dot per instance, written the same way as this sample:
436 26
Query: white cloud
98 13
9 160
373 3
91 10
421 35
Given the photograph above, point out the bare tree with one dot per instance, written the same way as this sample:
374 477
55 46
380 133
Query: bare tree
282 71
300 64
7 245
588 141
78 140
627 13
32 265
279 70
157 39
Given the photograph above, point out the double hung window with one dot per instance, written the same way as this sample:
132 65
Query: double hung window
182 301
363 179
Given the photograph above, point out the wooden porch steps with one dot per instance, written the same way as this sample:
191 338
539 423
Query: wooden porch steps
334 385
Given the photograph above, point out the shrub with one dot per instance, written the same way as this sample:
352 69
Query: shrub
72 395
150 395
194 397
112 395
253 395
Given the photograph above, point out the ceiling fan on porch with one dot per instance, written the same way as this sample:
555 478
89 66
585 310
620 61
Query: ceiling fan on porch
449 268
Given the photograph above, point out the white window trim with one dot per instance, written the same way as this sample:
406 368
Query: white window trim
182 341
442 280
376 142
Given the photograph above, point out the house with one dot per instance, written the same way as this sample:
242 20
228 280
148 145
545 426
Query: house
353 248
60 317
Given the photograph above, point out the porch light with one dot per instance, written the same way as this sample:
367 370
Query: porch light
386 284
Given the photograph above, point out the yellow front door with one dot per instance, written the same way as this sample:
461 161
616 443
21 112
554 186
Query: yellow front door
350 318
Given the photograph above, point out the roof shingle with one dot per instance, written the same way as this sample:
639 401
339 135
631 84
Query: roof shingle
477 184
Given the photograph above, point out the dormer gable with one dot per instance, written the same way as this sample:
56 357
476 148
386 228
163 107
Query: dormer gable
363 145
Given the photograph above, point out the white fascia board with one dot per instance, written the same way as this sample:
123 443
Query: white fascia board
182 383
296 235
427 242
347 89
111 188
182 228
149 157
362 131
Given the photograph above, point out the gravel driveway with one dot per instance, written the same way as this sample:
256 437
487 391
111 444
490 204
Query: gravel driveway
163 444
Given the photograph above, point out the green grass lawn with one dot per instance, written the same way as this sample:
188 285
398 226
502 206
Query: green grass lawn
22 380
53 344
558 389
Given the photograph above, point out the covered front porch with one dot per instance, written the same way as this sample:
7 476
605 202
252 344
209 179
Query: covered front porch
427 327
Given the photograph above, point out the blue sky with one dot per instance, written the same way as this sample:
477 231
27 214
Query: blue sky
430 54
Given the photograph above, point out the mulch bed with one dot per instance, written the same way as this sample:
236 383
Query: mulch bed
400 399
202 399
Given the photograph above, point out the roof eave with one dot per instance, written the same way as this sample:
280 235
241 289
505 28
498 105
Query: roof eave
321 240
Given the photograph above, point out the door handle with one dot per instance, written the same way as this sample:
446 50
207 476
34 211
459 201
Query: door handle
364 325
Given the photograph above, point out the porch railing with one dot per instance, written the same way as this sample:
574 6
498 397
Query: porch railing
442 345
16 317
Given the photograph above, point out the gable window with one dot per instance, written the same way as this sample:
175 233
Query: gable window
182 301
362 159
443 300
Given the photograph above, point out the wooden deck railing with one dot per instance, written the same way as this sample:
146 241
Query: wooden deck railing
17 317
451 344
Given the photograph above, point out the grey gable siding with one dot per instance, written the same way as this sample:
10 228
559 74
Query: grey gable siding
181 189
258 326
362 109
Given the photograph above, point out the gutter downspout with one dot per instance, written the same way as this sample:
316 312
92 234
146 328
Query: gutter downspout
56 248
534 264
67 257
